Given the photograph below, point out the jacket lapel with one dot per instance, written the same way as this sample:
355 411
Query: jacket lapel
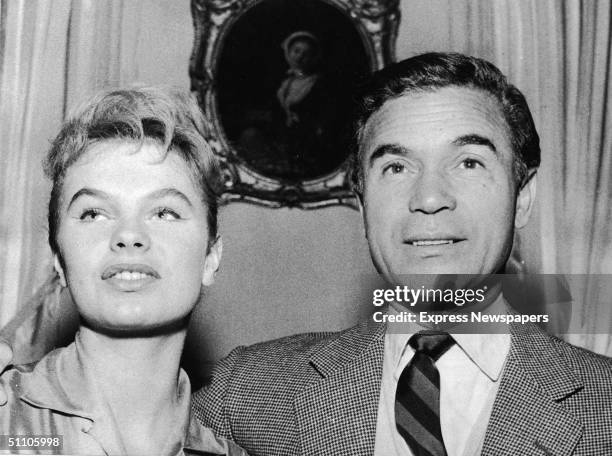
528 416
343 405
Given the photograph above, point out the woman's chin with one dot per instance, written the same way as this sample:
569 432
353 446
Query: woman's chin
129 329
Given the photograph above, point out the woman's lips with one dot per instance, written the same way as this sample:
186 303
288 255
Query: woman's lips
130 277
128 271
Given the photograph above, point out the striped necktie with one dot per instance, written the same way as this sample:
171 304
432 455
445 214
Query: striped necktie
417 400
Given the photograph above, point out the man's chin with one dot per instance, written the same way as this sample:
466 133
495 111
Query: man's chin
427 280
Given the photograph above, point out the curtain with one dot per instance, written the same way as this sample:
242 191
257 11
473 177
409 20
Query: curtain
32 84
52 55
560 52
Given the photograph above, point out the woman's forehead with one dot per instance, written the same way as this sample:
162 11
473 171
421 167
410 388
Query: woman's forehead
130 167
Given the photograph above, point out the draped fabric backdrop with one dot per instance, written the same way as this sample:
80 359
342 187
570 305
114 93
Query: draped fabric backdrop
557 52
46 67
32 82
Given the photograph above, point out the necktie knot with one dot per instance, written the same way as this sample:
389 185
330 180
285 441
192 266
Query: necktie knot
432 344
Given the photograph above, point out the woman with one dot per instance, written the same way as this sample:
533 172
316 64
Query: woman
308 104
133 230
294 137
296 92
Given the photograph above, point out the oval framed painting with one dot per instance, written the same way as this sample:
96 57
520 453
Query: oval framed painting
275 78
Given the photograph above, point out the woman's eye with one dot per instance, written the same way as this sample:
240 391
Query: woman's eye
394 168
470 163
89 215
165 213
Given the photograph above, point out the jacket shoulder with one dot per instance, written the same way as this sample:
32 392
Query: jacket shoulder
258 381
294 348
592 368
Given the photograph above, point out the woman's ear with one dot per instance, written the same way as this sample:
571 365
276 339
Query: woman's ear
57 265
212 261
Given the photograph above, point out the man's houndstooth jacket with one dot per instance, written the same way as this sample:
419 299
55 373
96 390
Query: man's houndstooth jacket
317 394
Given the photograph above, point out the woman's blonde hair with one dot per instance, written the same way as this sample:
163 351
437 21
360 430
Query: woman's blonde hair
170 117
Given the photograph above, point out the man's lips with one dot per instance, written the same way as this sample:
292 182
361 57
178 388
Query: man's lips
433 240
128 271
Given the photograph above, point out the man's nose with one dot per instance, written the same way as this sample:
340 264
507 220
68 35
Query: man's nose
432 193
130 235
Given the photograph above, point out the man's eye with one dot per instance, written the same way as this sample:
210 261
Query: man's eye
165 213
89 215
394 168
470 163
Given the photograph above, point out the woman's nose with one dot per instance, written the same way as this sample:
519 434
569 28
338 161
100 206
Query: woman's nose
130 235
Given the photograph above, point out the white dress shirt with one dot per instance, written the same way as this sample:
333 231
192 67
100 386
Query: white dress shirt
470 373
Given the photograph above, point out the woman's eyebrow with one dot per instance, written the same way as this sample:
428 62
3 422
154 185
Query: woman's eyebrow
86 191
157 194
169 191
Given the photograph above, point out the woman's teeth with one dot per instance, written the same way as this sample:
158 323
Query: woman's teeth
126 275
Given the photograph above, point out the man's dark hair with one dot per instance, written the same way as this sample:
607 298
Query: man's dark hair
433 71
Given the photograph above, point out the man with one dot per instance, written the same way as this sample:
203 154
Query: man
445 170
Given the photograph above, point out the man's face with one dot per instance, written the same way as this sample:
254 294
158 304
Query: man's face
439 192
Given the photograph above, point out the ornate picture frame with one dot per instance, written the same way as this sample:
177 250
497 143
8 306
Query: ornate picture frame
254 67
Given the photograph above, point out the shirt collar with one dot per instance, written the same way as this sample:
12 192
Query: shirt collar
61 382
487 350
200 439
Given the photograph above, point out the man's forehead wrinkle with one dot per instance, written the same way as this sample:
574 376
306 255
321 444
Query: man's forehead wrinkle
461 112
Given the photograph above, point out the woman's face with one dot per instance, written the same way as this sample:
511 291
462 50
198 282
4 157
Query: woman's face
133 236
301 55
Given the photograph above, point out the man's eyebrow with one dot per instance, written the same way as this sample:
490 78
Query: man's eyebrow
474 139
387 149
86 191
170 191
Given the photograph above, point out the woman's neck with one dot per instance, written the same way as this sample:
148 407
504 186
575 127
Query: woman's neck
138 380
151 362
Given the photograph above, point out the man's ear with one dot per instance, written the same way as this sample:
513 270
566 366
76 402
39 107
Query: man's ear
360 206
57 265
525 200
212 261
